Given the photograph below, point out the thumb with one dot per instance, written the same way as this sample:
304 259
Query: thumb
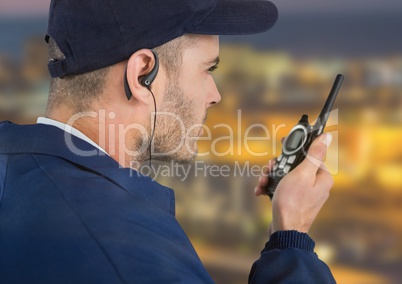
317 152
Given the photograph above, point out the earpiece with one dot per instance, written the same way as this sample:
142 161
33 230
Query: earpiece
146 80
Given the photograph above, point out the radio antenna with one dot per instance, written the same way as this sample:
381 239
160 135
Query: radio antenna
322 119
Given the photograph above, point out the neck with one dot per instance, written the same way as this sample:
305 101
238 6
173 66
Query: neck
121 140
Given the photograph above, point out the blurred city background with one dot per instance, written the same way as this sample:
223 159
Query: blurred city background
272 79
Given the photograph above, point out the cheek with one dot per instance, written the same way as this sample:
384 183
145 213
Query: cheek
197 91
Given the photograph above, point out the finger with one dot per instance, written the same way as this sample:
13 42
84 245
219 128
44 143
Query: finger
316 153
323 167
261 186
258 191
268 168
324 178
263 180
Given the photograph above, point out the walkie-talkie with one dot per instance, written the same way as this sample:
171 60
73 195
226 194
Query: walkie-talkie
296 144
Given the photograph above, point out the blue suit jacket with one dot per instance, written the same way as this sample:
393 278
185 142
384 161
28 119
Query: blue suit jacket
66 218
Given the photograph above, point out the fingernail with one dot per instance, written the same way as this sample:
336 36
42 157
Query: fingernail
326 139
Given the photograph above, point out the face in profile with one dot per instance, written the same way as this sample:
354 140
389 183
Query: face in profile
185 102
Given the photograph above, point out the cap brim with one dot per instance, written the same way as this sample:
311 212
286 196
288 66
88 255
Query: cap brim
238 17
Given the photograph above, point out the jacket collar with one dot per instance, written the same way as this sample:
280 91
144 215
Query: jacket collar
49 140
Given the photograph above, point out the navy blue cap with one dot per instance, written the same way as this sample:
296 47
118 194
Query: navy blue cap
93 34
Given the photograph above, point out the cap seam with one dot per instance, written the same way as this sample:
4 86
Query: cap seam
118 24
200 21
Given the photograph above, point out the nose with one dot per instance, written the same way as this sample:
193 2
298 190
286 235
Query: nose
214 96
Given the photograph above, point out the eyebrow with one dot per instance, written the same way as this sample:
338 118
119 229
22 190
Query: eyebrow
214 61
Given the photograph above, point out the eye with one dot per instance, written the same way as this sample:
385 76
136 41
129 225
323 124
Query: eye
212 69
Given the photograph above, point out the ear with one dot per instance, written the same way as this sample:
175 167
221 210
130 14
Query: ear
139 64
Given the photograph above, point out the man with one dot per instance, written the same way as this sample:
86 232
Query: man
71 209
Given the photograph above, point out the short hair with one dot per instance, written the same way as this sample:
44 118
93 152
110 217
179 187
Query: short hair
80 91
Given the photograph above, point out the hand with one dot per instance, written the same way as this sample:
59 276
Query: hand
301 194
261 189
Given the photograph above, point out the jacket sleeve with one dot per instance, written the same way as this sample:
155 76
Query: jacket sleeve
288 257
